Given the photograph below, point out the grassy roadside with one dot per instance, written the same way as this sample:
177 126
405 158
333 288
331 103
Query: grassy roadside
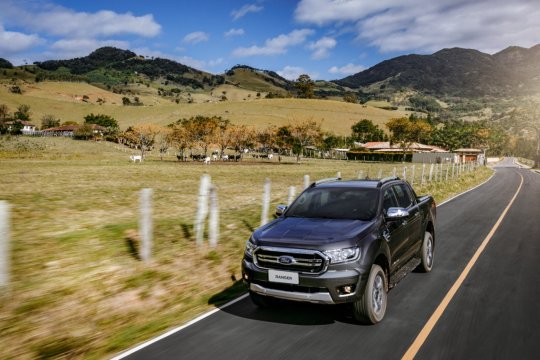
77 289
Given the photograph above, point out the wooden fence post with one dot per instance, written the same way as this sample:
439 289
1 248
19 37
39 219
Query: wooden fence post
306 181
338 174
292 194
413 167
4 244
423 173
394 172
213 221
265 202
202 209
405 173
361 174
145 224
379 174
431 172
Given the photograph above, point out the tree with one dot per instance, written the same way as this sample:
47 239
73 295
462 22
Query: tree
223 135
4 113
365 131
83 132
350 98
49 121
22 113
307 132
142 136
106 121
163 141
242 138
179 138
267 137
305 85
284 140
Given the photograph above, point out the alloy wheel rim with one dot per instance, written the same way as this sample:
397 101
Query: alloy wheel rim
378 294
429 251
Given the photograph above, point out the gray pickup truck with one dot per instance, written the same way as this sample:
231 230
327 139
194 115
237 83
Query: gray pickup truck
342 242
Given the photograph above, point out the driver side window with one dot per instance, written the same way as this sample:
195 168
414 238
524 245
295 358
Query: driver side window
389 200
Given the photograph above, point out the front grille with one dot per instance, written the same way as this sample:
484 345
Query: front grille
304 261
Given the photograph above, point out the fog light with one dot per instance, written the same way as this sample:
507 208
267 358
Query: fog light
346 290
245 276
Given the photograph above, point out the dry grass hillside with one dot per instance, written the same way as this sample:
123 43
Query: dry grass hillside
65 100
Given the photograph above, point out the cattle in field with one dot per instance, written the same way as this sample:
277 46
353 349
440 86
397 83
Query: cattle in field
225 157
234 157
214 157
198 157
135 158
207 160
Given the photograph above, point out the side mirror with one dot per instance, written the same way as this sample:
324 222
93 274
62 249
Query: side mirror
280 209
396 213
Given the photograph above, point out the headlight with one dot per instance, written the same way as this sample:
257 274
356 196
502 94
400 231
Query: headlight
250 247
342 255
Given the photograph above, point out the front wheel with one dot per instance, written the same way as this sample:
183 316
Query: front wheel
427 253
371 307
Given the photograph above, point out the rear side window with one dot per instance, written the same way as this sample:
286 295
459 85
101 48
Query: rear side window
403 196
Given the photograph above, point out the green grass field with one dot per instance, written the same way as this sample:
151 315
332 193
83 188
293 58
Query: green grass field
77 289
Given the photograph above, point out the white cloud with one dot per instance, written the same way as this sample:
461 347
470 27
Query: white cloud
244 10
14 42
59 21
293 72
71 48
321 47
348 69
195 37
427 25
275 46
234 32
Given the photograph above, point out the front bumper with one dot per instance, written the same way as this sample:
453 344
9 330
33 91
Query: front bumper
322 288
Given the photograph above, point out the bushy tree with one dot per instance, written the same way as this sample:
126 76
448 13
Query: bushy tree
365 131
106 121
305 85
304 133
49 121
22 113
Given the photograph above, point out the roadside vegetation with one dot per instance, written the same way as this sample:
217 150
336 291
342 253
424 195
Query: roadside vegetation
78 288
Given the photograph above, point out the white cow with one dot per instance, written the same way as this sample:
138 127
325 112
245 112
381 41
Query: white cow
136 158
207 160
225 157
214 157
270 156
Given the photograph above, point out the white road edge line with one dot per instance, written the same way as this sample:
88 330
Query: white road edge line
463 193
212 312
175 330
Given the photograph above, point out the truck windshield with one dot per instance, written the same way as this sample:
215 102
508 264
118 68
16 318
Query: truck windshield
336 203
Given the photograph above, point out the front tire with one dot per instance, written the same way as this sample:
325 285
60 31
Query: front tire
371 307
427 253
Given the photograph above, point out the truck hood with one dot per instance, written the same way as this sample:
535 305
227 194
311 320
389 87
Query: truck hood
311 233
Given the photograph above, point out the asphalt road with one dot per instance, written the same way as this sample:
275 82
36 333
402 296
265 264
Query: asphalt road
495 314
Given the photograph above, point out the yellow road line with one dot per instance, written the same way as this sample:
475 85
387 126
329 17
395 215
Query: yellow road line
428 327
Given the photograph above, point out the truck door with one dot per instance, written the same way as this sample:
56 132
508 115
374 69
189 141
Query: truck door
413 223
395 231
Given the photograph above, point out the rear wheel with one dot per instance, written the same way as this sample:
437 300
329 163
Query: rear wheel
371 307
261 300
427 253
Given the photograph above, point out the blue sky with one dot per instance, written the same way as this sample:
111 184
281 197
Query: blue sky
327 39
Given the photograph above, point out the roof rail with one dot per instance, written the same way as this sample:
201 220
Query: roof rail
387 179
324 181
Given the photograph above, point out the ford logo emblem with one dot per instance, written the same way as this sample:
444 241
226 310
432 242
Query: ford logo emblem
286 260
